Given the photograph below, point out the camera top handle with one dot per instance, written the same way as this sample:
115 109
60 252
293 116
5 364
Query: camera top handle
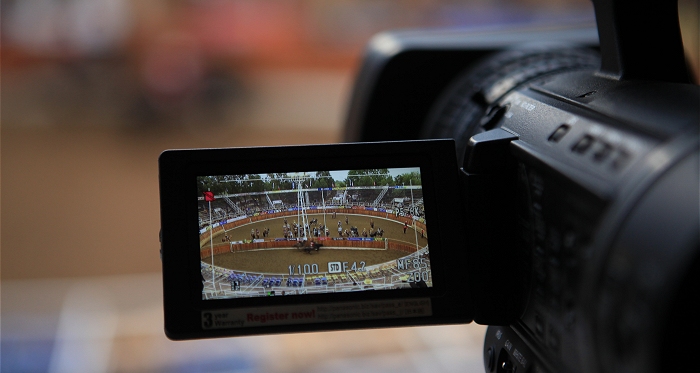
632 33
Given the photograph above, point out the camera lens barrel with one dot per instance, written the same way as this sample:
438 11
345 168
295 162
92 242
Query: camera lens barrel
470 104
579 182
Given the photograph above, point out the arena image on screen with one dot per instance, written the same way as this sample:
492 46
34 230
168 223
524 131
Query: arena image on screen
312 232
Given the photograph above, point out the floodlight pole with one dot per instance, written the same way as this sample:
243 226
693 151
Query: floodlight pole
323 201
211 246
410 182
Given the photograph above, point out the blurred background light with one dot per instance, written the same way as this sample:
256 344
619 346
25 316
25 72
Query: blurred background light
93 90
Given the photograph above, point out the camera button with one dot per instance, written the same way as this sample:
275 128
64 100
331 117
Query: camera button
603 152
491 358
620 160
583 144
493 117
559 133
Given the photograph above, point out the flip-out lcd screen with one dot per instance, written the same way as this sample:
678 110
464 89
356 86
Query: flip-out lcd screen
313 232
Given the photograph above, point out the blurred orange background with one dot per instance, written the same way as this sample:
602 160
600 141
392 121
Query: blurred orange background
93 90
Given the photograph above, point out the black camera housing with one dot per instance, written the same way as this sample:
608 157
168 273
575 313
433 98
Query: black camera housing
580 175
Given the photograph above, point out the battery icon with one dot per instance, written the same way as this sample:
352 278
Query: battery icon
334 267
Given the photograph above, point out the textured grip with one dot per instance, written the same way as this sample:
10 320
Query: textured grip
459 111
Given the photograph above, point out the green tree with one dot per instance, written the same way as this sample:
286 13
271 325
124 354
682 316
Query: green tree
231 183
320 183
255 183
322 179
214 184
407 179
369 177
411 178
280 181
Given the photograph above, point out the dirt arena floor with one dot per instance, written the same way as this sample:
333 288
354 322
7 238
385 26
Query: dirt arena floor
392 229
278 260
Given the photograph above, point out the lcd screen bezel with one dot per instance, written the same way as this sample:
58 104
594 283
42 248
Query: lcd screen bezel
181 266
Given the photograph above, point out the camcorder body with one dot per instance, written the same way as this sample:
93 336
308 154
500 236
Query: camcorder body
559 203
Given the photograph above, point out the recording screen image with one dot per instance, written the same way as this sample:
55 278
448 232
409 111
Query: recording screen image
313 232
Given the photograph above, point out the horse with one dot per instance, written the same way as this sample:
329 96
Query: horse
308 247
378 233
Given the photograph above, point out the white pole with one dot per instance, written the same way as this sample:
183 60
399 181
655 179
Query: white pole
323 200
299 201
304 216
211 245
413 216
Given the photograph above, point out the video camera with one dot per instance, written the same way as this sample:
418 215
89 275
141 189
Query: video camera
562 209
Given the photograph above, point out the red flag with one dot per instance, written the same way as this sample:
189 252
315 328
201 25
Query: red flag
209 196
